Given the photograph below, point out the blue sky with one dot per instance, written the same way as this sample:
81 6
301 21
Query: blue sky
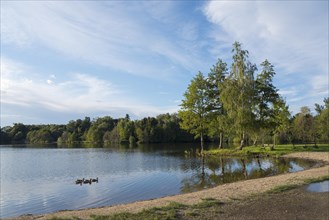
67 60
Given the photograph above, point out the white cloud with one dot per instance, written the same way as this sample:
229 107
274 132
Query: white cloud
80 93
107 34
293 35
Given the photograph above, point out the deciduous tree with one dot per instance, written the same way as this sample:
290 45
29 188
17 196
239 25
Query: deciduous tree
194 112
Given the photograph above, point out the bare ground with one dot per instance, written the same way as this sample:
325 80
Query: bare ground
239 197
292 204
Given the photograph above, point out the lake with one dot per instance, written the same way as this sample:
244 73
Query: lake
37 180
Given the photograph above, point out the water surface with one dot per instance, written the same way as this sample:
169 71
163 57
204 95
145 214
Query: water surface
36 180
318 187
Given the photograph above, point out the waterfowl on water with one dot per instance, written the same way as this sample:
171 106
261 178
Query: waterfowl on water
79 181
87 181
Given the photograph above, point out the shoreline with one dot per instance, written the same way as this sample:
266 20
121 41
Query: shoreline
226 192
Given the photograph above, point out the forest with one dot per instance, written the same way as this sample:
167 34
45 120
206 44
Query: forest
234 105
163 128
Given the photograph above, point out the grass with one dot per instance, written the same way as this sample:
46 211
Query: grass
317 180
283 188
287 187
207 202
278 150
172 211
168 212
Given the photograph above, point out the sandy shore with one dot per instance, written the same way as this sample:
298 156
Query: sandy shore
226 192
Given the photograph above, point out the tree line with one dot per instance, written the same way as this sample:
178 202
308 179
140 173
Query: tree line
242 105
238 104
163 128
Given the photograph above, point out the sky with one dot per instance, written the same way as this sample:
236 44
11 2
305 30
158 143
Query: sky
65 60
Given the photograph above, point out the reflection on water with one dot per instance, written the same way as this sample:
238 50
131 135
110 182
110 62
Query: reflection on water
216 171
318 187
39 180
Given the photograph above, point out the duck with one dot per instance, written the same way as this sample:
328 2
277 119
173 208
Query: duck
95 180
79 181
87 181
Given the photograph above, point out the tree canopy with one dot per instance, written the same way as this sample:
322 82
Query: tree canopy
245 105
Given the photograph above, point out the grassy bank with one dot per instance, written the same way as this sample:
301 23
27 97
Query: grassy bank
278 150
282 188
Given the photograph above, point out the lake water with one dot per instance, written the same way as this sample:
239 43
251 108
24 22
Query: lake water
318 187
36 180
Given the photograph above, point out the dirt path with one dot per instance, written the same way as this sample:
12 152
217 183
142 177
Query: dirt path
291 204
226 193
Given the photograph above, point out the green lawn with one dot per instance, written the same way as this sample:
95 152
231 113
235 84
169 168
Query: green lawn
278 150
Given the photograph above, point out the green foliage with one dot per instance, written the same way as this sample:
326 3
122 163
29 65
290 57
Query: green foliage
245 109
40 136
163 128
267 151
238 93
194 108
321 123
217 114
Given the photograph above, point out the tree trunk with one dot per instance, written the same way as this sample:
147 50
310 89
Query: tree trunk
220 140
222 165
242 141
244 169
203 167
272 147
201 139
255 142
259 164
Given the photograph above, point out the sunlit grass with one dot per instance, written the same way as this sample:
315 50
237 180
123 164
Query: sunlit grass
317 180
168 212
172 211
278 150
282 188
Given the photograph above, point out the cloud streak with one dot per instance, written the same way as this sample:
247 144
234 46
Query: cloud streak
80 93
106 34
